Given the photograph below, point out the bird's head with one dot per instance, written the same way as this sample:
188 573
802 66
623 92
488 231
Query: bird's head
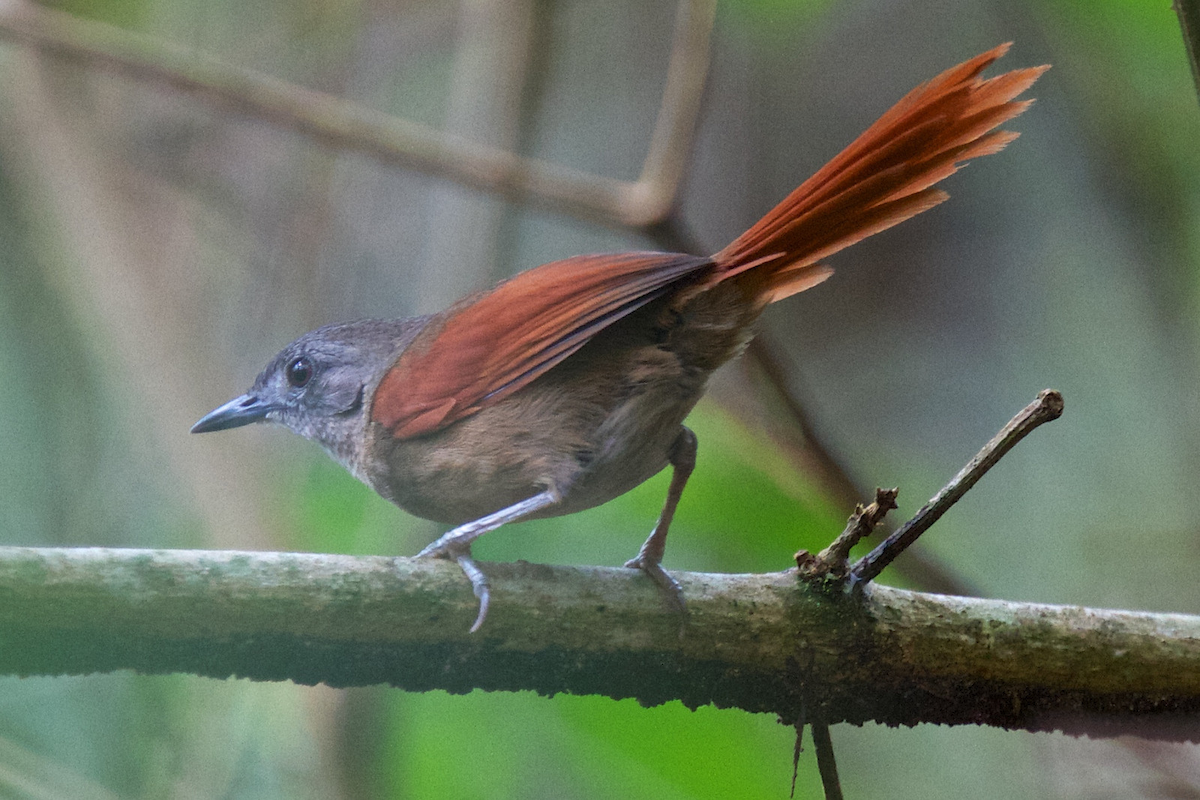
320 385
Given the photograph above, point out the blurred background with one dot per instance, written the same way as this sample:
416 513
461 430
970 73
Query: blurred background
156 249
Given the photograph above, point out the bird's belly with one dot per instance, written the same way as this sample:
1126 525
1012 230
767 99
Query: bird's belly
512 451
631 446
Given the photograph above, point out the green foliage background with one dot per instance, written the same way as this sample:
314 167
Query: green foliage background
1068 261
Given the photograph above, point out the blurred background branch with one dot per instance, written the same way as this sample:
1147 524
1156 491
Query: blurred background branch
347 125
1189 22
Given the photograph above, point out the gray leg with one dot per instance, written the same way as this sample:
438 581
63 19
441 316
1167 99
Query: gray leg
649 559
456 544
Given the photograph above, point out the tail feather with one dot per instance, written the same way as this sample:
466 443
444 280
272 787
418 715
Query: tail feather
883 178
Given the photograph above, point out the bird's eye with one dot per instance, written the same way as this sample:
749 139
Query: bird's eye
299 372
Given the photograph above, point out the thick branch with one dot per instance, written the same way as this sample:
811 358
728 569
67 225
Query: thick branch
750 641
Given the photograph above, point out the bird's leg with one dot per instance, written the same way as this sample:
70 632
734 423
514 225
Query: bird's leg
455 545
682 459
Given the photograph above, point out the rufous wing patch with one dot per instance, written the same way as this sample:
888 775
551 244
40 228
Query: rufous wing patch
493 345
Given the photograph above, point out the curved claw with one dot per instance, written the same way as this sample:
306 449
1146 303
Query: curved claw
479 584
666 583
461 555
456 544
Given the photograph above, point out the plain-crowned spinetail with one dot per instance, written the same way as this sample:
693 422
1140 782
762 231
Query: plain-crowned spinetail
568 384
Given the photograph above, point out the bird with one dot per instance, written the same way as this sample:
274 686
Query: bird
567 385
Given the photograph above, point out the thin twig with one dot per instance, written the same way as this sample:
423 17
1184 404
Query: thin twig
799 747
832 560
826 764
1189 21
923 569
1048 406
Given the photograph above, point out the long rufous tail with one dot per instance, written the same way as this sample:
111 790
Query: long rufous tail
884 177
489 346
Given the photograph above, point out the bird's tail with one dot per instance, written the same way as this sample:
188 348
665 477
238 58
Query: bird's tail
884 177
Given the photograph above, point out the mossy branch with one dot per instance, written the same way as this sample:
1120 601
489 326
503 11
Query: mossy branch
757 642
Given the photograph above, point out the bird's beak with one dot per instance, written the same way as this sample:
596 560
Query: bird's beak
237 412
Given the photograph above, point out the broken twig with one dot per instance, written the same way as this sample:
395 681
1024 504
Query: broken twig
833 559
1048 406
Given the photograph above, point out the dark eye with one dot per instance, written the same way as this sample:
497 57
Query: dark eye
299 372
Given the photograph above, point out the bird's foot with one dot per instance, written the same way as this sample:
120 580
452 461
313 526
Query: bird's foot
669 586
460 553
456 544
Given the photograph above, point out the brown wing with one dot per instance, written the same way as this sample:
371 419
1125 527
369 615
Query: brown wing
490 347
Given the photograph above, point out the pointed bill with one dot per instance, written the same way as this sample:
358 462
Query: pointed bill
237 412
